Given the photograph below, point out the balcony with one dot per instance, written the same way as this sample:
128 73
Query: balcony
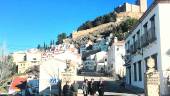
138 44
152 35
132 49
148 37
144 40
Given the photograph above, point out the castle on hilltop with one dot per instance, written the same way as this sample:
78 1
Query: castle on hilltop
140 6
122 12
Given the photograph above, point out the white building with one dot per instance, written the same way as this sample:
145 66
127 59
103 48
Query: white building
26 59
115 59
50 73
33 56
101 61
53 65
149 38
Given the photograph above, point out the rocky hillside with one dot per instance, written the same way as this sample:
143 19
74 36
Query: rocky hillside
118 28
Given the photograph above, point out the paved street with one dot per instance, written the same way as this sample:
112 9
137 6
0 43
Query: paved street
112 88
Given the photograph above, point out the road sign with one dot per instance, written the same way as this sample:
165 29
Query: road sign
53 80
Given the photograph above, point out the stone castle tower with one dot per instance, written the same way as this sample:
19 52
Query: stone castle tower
142 5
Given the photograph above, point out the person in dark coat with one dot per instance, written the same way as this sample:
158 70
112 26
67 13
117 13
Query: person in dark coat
92 87
66 89
74 88
85 87
100 88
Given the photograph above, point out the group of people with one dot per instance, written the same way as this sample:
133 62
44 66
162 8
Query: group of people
91 87
70 90
88 87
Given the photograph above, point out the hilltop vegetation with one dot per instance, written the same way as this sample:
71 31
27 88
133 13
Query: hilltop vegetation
118 29
111 17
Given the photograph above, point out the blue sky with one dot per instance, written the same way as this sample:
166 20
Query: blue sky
26 23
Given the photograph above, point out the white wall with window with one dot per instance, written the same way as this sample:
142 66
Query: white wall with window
115 58
149 38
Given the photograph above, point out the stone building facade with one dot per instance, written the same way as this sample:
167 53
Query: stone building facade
140 6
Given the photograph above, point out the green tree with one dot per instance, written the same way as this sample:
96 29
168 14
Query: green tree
110 17
60 38
44 46
128 24
39 46
51 42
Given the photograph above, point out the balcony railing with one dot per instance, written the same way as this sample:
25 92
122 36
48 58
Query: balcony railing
138 44
148 37
144 40
152 35
132 49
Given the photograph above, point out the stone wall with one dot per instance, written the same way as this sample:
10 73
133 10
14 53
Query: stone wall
126 7
140 6
136 15
132 8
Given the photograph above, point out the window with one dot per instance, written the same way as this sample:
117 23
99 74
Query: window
133 39
138 39
111 65
25 58
133 44
145 26
34 59
152 20
140 71
135 75
128 46
146 34
138 34
152 30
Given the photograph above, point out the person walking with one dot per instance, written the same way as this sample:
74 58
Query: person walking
85 87
66 89
74 88
100 88
92 87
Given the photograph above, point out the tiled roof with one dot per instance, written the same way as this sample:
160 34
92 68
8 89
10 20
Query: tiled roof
18 83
